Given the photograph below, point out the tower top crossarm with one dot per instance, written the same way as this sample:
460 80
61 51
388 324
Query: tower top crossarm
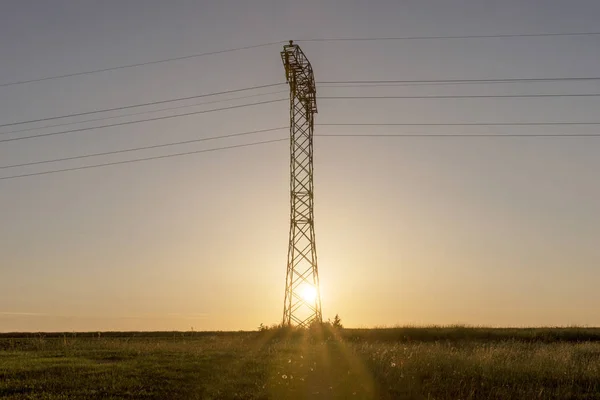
299 75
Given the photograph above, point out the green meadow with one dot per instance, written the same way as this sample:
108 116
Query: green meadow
400 363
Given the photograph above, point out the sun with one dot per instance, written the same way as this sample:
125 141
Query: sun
308 293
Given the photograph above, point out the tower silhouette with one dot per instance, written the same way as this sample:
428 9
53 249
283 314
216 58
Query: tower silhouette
302 301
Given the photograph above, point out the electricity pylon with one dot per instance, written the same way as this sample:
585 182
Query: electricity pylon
302 302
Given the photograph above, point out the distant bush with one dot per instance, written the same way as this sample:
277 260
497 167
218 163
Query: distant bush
337 322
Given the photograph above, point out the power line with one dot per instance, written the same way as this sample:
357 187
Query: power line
140 105
189 56
320 124
461 96
462 124
277 92
512 135
323 134
526 135
442 83
142 113
139 121
138 64
364 39
145 147
336 83
143 159
455 81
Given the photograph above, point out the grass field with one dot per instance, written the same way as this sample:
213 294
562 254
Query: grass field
404 363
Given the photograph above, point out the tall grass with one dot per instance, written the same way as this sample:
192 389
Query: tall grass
441 363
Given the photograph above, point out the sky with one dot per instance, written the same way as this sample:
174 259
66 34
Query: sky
410 231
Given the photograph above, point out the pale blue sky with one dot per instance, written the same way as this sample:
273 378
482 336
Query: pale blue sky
493 231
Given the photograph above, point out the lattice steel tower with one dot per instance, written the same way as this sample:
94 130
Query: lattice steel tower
302 302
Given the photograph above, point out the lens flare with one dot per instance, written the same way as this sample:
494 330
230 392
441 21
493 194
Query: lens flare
309 293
